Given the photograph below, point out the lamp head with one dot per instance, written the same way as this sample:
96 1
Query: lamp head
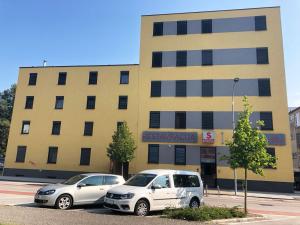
236 80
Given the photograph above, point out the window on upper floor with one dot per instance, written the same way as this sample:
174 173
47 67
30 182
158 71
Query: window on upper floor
207 57
52 155
62 78
207 120
271 151
59 102
206 26
264 88
88 128
93 77
25 127
119 124
181 27
156 59
154 121
29 102
207 88
181 88
181 58
180 120
158 28
123 101
268 120
260 23
90 102
155 88
32 79
262 55
56 127
180 155
124 77
21 154
153 153
85 156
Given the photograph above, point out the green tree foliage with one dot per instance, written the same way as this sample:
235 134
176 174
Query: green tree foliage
122 147
7 98
248 147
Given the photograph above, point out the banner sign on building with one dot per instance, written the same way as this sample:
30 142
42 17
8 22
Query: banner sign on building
276 139
175 137
208 136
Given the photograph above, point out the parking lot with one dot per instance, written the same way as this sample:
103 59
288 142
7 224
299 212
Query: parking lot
16 207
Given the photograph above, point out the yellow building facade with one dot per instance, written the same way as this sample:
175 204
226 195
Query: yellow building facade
177 101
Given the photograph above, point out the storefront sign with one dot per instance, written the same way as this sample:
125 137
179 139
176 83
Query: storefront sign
208 137
175 137
276 139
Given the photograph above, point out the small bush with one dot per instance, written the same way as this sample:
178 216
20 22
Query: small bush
204 213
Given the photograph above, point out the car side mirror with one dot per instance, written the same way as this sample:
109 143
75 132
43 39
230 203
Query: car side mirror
81 185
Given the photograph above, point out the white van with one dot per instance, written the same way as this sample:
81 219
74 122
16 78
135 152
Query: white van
152 190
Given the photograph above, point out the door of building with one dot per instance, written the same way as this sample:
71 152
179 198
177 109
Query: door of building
208 166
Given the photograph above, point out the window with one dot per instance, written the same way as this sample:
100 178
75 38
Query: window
262 56
264 87
162 182
271 151
181 58
180 88
180 120
88 128
155 88
25 127
119 124
298 119
110 180
92 181
268 120
207 57
85 156
93 78
56 127
21 154
207 88
32 79
186 181
180 155
123 102
206 26
62 77
59 102
158 28
52 155
298 140
207 120
260 23
153 153
90 102
181 27
154 119
124 77
29 102
156 59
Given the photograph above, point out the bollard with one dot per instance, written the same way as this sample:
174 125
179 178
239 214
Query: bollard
218 190
206 187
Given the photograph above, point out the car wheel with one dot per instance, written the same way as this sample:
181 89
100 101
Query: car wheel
194 203
64 202
141 208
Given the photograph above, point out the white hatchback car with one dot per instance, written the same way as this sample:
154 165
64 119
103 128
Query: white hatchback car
152 190
89 188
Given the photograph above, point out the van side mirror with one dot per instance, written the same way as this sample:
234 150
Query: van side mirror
157 186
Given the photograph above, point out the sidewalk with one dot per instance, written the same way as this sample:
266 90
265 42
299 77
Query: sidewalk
284 196
30 179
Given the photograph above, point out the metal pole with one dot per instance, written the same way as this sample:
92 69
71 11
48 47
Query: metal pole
233 127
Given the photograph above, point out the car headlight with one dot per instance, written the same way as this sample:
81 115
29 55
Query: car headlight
49 192
127 196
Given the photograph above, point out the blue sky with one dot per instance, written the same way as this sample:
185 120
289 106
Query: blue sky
75 32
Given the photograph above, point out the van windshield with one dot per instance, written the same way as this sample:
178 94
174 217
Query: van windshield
140 180
74 180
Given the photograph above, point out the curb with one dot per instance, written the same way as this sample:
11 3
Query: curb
236 220
30 179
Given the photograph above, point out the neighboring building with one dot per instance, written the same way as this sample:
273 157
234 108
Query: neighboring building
177 101
295 136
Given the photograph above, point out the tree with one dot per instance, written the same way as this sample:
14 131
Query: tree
122 147
248 147
7 98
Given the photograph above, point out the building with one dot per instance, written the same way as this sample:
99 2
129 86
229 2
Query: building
294 115
176 101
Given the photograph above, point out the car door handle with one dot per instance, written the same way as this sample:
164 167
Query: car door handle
101 189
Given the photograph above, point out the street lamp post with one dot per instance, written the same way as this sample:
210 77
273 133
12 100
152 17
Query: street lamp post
235 80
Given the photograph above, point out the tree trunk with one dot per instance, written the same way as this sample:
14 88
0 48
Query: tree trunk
245 193
122 170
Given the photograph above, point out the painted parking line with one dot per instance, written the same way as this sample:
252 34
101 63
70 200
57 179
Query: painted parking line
17 192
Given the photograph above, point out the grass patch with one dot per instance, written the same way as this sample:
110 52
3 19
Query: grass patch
205 213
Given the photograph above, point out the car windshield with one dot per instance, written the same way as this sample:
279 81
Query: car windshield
74 180
140 180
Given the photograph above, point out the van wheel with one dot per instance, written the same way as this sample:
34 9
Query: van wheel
194 203
141 208
64 202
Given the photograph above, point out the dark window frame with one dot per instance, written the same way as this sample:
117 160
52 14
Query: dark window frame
122 75
57 99
32 79
158 29
207 125
153 123
88 128
267 117
25 122
181 58
56 127
90 102
260 23
123 102
207 57
155 88
262 56
264 87
176 154
182 27
93 77
62 78
207 88
29 102
156 59
178 123
272 152
85 156
21 154
152 147
52 155
206 26
181 90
